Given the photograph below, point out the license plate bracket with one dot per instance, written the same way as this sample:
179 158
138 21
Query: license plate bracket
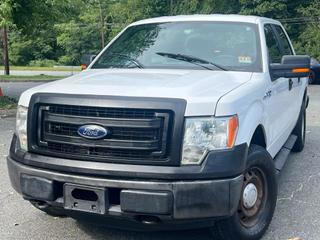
85 198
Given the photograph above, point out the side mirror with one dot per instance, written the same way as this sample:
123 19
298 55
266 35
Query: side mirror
291 66
86 60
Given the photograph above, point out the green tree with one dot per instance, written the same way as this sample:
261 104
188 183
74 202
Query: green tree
50 31
266 8
305 36
35 37
85 33
5 22
205 6
308 41
99 21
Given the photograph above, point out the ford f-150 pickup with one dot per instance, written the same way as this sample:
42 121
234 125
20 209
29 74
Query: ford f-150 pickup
181 121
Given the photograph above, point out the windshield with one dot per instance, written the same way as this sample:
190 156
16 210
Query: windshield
230 46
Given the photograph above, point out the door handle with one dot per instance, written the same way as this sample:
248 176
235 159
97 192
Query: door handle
290 84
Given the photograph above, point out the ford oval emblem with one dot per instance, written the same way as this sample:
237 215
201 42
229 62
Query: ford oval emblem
91 131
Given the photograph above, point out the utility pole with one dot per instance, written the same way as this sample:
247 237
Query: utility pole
102 26
5 50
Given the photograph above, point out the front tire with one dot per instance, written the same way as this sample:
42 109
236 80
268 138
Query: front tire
257 202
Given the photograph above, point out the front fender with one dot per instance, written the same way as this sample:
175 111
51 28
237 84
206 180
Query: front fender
247 102
250 121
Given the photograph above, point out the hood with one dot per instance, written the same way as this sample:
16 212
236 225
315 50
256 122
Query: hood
201 89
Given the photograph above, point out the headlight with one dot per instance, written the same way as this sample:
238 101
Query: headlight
21 127
204 134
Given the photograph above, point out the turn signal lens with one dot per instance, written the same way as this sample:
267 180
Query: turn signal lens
301 70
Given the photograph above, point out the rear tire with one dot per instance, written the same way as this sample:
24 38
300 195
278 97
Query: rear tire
300 130
254 213
50 210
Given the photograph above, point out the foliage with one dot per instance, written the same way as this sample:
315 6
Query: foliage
43 32
273 8
7 103
43 63
51 69
76 41
15 78
205 6
309 41
5 13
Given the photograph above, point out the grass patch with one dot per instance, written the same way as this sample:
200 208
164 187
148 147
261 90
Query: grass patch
29 68
7 103
13 78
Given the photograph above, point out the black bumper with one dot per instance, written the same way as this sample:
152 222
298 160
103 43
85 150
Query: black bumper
164 199
171 194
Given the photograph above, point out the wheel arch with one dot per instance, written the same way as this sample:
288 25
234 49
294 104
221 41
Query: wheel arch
252 127
259 137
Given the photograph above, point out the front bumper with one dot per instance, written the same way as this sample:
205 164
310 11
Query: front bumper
171 194
167 200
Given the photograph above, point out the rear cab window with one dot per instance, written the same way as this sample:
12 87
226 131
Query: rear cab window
277 43
286 47
274 49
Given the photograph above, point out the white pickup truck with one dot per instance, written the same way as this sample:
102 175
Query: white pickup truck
179 122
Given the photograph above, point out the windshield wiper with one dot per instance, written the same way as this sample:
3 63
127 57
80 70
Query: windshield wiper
191 59
134 61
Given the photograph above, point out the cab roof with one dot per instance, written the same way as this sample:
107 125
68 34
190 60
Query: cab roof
208 17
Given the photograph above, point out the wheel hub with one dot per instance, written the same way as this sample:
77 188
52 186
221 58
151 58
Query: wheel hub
250 196
253 197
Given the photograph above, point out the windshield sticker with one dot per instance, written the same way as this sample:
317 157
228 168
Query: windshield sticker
245 59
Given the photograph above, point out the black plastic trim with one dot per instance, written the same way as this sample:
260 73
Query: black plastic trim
177 106
146 202
218 164
193 199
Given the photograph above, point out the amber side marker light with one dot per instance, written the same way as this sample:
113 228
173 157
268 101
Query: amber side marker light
232 129
301 70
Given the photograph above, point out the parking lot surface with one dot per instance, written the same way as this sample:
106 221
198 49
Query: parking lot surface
297 213
14 89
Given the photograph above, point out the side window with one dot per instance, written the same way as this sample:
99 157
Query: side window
272 44
284 40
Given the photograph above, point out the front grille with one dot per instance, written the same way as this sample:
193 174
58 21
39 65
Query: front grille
136 135
102 112
121 133
97 151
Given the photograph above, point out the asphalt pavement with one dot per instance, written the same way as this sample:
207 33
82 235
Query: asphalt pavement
14 89
32 73
297 213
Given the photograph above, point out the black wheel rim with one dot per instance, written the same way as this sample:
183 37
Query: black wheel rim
249 216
